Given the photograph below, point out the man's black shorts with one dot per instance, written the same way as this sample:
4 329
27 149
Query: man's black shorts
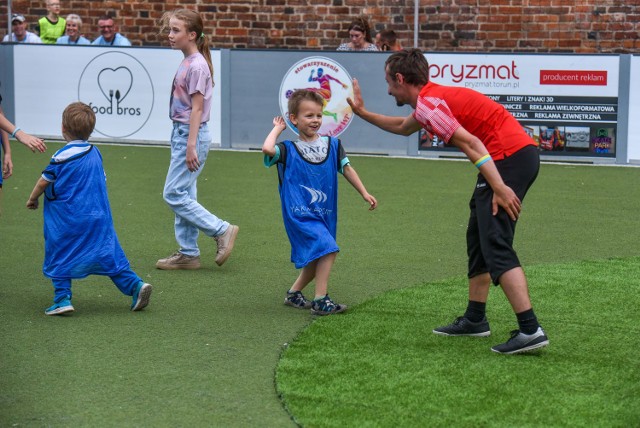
489 237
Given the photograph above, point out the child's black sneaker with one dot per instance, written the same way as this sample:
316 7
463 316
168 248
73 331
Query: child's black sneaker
326 306
297 300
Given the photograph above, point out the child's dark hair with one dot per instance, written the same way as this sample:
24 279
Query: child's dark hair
411 63
78 121
193 23
361 24
301 95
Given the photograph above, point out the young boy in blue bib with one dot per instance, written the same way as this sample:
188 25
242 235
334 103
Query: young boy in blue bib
308 184
79 238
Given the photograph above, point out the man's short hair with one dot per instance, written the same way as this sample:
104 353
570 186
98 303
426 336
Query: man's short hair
388 36
301 95
411 63
78 120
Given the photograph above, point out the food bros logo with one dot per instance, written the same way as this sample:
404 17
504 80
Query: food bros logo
327 78
119 90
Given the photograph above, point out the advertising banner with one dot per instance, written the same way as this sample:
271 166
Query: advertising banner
331 81
128 89
567 103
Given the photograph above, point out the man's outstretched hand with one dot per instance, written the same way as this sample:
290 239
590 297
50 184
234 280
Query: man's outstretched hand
357 103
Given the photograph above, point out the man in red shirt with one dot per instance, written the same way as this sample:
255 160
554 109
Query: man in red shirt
508 162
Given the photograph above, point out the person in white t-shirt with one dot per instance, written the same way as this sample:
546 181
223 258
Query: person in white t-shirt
19 31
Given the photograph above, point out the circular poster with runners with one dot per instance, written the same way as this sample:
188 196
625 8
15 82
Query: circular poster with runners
327 78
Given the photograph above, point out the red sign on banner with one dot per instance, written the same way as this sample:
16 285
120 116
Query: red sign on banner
573 77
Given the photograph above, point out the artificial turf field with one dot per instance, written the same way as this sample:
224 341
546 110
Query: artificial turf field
206 352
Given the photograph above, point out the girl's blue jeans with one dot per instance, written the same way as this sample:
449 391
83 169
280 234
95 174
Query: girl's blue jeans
180 191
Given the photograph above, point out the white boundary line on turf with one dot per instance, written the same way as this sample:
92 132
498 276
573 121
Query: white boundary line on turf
365 155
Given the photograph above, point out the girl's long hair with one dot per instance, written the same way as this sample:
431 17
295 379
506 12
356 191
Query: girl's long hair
193 22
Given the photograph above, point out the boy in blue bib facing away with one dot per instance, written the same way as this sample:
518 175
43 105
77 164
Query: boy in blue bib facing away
79 237
308 184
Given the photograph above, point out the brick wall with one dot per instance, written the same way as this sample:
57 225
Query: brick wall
582 26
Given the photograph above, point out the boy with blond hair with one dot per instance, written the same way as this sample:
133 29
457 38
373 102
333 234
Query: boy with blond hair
52 26
79 236
308 185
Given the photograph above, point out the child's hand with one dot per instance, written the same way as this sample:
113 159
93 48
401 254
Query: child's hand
278 122
193 163
373 203
32 204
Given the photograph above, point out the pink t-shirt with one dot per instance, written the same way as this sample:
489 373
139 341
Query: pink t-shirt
192 76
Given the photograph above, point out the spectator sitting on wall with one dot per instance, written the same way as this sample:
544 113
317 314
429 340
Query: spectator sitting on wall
73 37
19 31
360 36
109 34
387 40
51 26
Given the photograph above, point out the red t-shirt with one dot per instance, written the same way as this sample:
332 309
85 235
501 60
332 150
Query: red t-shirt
443 109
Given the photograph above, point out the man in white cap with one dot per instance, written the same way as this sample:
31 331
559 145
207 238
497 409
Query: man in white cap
20 33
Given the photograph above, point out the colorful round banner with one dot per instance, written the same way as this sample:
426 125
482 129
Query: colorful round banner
327 78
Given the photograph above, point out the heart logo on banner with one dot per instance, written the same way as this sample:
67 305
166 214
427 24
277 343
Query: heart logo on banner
119 90
115 82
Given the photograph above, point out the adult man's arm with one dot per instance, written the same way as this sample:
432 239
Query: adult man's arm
394 124
503 195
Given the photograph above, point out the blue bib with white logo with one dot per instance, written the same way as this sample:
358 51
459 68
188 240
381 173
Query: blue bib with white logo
309 197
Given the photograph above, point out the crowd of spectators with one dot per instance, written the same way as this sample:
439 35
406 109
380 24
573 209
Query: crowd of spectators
54 29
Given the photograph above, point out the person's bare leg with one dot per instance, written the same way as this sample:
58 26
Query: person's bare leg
323 270
514 285
306 276
479 287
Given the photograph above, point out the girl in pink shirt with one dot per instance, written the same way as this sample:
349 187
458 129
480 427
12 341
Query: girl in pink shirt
190 144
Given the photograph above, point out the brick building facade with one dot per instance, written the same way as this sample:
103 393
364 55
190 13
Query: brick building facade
581 26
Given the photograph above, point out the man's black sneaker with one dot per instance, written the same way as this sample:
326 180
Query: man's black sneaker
297 300
326 306
520 342
463 327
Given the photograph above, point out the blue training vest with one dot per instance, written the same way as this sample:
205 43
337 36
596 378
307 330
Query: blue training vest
309 197
79 236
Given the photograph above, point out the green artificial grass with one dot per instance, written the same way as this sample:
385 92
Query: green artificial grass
380 364
203 353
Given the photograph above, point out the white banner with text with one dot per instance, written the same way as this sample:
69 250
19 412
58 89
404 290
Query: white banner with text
128 88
